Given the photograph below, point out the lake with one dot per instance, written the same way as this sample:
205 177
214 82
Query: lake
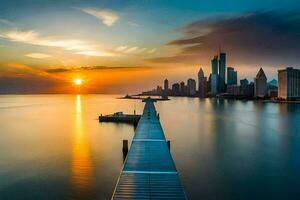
53 147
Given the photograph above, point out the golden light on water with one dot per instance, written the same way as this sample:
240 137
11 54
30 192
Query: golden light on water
78 111
82 168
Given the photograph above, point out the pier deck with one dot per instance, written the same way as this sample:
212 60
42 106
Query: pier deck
149 171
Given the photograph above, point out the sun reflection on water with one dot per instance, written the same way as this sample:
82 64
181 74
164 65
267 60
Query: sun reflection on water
82 168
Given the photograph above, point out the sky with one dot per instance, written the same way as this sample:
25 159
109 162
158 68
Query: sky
131 46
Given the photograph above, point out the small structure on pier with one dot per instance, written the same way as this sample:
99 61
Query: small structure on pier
120 117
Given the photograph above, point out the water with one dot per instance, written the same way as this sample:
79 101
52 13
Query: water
53 147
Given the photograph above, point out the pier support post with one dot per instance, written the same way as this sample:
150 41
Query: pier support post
169 144
125 149
135 123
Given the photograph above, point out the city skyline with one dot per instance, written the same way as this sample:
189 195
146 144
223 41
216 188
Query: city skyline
217 84
45 45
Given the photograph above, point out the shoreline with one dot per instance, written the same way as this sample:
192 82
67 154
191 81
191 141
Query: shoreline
234 98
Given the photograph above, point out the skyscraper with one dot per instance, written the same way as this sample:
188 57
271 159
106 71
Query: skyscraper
175 89
231 76
208 84
182 88
214 84
214 65
166 88
260 84
159 90
202 87
191 87
214 76
289 83
166 85
222 70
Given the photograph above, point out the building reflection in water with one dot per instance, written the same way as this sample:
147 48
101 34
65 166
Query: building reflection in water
82 181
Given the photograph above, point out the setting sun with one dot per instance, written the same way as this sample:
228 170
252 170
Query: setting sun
77 81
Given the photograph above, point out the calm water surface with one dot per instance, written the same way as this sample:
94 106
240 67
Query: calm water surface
52 147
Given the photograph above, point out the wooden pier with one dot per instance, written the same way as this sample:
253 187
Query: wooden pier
149 171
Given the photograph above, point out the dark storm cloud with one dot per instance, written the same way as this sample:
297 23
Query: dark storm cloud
27 84
261 38
57 70
61 70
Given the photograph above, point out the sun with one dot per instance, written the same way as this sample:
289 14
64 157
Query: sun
77 81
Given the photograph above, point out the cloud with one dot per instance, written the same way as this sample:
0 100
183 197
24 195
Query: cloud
152 51
95 53
131 50
107 17
34 38
134 50
57 70
79 47
261 38
121 48
6 22
61 70
18 69
29 84
38 55
20 78
133 24
141 50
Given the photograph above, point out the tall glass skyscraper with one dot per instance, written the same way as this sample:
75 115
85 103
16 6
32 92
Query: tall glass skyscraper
222 70
231 76
214 76
166 85
214 65
202 84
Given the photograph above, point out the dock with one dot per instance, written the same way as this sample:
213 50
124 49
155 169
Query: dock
119 117
149 171
140 97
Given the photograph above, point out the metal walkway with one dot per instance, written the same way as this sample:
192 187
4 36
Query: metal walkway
149 171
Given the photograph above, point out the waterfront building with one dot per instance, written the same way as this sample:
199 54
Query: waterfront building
260 84
222 71
272 94
183 89
289 83
202 84
191 87
247 90
231 76
166 88
214 77
214 84
272 89
244 81
166 85
175 89
208 84
241 90
234 90
159 90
